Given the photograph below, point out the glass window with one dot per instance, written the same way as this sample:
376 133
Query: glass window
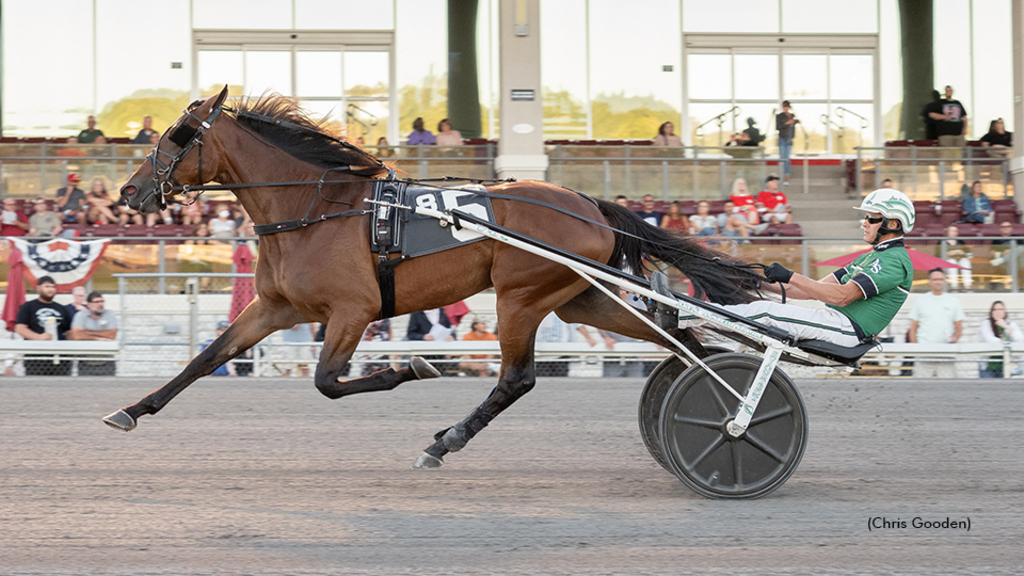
563 69
220 67
369 120
890 69
764 120
730 16
853 131
993 65
231 15
811 131
815 16
851 76
366 73
718 124
709 76
318 73
421 45
756 76
804 76
268 70
952 49
344 14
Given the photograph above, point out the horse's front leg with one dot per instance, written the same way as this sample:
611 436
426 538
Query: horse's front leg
256 322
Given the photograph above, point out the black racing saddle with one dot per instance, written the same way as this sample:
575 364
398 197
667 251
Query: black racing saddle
841 354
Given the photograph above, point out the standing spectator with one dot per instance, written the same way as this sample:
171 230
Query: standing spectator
71 201
667 136
997 331
89 135
429 325
100 205
703 223
951 122
773 203
957 252
997 139
222 226
446 136
77 303
146 134
94 323
887 183
931 125
43 319
753 135
785 123
15 222
674 219
977 206
649 214
300 355
745 205
419 135
43 222
936 318
483 364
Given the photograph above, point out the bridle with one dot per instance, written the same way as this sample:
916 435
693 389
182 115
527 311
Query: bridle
186 137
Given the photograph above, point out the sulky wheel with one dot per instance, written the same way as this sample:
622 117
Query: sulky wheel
699 450
653 396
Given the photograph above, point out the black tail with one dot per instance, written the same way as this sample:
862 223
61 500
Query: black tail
721 277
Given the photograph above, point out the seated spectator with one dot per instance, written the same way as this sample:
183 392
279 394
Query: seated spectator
193 212
483 364
997 136
774 206
744 203
420 136
667 136
1001 247
649 214
240 215
674 219
738 139
383 148
71 149
446 136
89 135
154 138
100 140
101 208
222 226
126 215
94 323
202 231
957 252
15 222
622 201
998 329
703 223
71 201
43 222
167 214
887 183
977 207
146 134
753 135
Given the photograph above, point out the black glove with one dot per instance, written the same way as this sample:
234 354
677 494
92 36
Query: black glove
778 273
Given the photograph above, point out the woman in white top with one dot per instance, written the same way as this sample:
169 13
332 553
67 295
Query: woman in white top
446 136
666 136
222 226
998 330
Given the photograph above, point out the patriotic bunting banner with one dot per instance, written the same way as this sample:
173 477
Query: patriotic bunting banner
69 263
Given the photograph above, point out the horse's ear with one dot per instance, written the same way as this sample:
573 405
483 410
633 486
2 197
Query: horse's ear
219 101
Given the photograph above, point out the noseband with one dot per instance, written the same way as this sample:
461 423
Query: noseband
186 137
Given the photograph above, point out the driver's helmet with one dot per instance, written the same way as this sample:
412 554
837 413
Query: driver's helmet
891 204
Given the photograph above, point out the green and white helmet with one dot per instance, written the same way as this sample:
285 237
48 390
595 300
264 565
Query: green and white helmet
891 204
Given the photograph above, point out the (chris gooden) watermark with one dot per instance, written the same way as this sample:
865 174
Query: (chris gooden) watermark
947 523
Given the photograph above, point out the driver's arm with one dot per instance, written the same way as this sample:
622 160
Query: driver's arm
827 292
796 293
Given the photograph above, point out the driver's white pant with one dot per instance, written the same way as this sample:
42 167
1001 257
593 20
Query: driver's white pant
803 323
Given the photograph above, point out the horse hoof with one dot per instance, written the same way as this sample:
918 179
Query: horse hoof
423 370
120 420
427 461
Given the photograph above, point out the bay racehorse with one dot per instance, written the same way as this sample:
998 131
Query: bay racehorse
327 273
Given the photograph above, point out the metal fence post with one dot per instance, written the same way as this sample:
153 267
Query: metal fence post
122 296
1006 359
664 179
1013 265
628 170
807 174
859 176
805 264
942 180
607 180
161 267
424 170
723 176
192 288
913 169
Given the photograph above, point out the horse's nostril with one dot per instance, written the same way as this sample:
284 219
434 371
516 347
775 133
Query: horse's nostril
129 190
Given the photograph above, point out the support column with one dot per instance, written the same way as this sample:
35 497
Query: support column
463 87
1017 160
918 64
521 116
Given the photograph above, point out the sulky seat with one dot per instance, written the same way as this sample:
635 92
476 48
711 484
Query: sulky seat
842 354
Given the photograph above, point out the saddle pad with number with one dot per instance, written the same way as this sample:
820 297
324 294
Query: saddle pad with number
415 235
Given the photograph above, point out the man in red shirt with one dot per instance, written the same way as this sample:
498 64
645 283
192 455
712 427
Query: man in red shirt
774 206
14 223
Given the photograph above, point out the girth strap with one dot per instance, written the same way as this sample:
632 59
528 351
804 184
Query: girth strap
386 279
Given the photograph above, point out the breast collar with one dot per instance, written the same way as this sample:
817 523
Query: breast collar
892 243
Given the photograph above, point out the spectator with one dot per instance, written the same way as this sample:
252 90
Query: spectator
753 135
228 368
222 226
773 203
146 134
998 140
931 130
71 149
101 139
167 214
43 222
667 136
378 331
361 142
733 225
997 331
649 214
429 325
887 183
95 323
785 123
977 206
126 215
703 223
101 209
446 136
383 148
957 252
202 231
951 121
194 212
78 302
1001 256
43 319
484 364
419 135
154 138
301 356
15 222
89 135
675 219
71 201
936 318
622 201
738 139
744 203
240 216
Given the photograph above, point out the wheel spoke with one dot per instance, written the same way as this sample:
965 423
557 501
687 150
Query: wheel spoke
737 465
770 415
760 445
698 422
713 386
707 452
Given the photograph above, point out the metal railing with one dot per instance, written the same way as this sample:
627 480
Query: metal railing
933 172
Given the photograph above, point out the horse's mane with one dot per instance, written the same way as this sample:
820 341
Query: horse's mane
315 145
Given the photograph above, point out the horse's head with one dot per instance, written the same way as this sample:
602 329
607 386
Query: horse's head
177 160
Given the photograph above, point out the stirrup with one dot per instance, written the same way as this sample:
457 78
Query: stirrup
665 316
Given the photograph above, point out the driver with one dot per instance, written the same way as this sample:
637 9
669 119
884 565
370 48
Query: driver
861 298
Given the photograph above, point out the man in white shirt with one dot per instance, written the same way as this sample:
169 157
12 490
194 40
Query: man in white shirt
936 318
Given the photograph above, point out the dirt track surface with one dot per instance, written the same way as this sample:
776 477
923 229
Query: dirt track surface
268 477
